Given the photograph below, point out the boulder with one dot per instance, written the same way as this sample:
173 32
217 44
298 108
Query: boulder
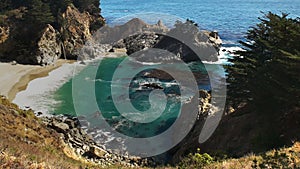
60 127
97 152
13 62
204 94
70 122
189 43
78 143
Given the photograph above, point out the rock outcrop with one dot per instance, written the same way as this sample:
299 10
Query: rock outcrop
43 45
49 47
76 29
138 42
185 41
190 143
112 35
4 33
81 143
214 38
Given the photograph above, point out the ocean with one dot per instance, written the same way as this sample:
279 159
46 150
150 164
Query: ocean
231 18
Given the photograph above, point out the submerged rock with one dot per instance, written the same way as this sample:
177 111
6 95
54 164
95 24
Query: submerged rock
153 85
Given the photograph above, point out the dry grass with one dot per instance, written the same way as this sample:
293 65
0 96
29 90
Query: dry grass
287 158
25 143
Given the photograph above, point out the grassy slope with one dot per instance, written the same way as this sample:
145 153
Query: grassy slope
282 158
26 143
287 158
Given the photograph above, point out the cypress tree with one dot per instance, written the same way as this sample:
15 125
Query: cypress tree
5 5
39 13
266 74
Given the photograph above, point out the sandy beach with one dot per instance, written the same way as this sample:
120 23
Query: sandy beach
15 78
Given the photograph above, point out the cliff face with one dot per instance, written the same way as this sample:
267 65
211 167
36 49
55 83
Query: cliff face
48 47
77 30
29 43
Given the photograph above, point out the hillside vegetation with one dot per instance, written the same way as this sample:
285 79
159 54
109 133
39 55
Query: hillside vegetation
37 13
41 31
25 142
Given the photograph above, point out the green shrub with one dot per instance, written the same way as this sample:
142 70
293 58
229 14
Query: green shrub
196 160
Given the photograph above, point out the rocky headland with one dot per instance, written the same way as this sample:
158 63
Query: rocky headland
67 31
43 40
185 40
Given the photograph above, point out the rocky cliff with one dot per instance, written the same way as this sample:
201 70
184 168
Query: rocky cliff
49 47
43 44
77 30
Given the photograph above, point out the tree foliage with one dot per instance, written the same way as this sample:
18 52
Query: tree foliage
39 13
91 6
267 73
46 10
5 5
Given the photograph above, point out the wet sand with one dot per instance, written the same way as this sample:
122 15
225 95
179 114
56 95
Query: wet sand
15 78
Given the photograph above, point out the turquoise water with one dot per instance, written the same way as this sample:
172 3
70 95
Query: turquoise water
138 97
231 18
139 100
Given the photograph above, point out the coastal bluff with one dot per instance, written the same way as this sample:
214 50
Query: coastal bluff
47 37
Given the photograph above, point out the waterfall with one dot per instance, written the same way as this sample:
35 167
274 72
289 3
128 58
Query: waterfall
64 51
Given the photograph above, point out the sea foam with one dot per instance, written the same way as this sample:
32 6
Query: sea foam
224 54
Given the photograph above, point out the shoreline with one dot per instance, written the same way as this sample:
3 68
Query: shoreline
17 77
41 85
33 88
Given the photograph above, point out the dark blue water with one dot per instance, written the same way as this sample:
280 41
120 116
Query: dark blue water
231 18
